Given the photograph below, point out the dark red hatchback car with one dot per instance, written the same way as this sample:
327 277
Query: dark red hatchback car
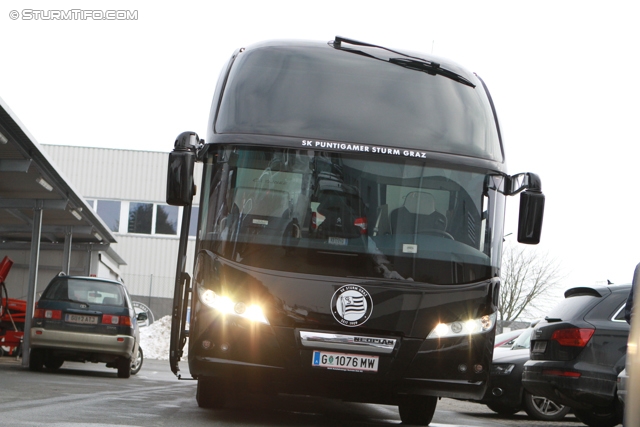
577 352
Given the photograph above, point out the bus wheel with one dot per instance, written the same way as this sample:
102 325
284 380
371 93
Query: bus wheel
210 394
417 410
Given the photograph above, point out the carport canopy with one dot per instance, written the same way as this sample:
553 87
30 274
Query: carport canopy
39 208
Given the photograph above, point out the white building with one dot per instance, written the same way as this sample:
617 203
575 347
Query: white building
127 190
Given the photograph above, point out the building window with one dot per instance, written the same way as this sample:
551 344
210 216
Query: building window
193 222
144 218
140 217
166 219
109 211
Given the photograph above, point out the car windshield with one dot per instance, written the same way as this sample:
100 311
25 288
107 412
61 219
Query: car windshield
91 292
506 339
523 341
345 214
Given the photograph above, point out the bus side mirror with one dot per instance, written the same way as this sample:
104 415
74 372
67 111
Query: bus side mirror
180 188
530 217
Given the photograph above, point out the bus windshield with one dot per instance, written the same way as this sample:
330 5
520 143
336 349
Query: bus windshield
345 214
317 93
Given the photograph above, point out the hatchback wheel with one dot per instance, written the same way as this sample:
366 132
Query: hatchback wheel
541 408
53 363
36 360
136 362
417 410
124 367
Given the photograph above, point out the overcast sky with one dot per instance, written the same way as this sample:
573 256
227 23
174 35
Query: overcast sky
563 75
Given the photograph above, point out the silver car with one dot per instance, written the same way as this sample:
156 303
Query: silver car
84 319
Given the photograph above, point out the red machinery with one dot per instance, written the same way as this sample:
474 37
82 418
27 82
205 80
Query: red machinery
12 312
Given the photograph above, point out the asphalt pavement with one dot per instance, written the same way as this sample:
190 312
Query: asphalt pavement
155 397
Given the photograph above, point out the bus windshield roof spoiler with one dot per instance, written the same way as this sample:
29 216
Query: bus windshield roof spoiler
408 61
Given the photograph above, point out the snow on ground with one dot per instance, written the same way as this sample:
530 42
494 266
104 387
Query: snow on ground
155 338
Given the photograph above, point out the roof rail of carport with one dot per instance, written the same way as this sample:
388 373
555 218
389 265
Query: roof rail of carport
29 180
39 206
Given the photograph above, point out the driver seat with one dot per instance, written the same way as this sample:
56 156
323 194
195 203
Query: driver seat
418 214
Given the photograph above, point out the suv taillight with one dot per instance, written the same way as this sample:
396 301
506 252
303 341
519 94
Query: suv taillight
561 373
573 337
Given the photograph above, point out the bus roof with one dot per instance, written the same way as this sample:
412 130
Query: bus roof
358 97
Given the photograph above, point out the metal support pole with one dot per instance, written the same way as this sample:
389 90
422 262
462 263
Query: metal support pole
87 267
66 255
150 286
34 261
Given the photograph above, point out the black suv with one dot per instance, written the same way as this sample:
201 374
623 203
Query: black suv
577 352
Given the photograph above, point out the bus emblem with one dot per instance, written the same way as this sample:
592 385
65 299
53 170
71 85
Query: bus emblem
351 305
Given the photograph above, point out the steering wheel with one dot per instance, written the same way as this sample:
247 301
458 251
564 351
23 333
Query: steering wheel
436 232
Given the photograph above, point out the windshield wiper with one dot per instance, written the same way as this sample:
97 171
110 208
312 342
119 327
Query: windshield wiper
430 67
407 61
76 301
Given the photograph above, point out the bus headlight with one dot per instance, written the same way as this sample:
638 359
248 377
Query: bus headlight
460 328
226 305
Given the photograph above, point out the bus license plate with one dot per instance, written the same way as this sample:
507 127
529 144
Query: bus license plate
345 362
78 318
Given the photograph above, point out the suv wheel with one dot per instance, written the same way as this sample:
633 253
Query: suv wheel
417 410
541 408
502 409
604 418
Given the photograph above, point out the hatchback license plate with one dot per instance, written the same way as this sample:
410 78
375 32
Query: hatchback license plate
341 241
79 318
345 362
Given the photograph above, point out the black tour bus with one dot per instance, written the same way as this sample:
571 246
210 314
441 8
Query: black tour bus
350 228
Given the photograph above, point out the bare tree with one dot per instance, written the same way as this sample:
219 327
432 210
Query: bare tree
528 280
